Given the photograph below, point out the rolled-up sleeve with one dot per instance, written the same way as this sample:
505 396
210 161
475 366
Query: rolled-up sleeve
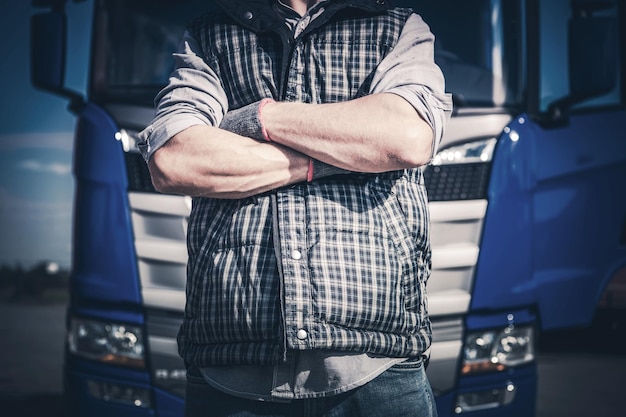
410 72
193 96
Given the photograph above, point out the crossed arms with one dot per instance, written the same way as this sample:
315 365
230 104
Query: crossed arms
376 133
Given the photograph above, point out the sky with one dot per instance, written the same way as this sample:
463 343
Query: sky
36 184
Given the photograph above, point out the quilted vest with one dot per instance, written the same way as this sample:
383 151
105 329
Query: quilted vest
340 263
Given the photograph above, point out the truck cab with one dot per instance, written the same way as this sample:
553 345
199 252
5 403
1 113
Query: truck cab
527 197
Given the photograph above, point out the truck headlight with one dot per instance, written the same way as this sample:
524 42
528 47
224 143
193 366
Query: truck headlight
114 343
497 350
467 153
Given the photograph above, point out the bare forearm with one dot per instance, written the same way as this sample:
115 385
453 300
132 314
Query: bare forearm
210 162
375 133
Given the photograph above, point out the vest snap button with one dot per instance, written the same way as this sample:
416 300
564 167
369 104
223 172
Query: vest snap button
248 15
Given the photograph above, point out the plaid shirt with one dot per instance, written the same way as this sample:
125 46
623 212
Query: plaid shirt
340 263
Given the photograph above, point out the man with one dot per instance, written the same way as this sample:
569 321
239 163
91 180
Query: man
298 127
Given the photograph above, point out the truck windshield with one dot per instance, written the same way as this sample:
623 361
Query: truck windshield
478 46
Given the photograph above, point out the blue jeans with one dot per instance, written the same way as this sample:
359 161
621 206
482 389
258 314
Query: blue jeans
401 391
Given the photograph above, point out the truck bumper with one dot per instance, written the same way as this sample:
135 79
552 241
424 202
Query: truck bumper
512 393
95 390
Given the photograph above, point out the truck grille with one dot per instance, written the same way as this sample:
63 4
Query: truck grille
457 182
138 173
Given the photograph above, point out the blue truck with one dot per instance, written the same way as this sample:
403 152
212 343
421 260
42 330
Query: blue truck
527 198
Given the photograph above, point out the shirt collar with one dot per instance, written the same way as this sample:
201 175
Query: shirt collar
282 6
293 20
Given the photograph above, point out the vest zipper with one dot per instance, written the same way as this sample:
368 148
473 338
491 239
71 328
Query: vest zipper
287 41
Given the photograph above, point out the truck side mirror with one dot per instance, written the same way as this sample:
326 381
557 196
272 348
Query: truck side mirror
593 57
48 32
